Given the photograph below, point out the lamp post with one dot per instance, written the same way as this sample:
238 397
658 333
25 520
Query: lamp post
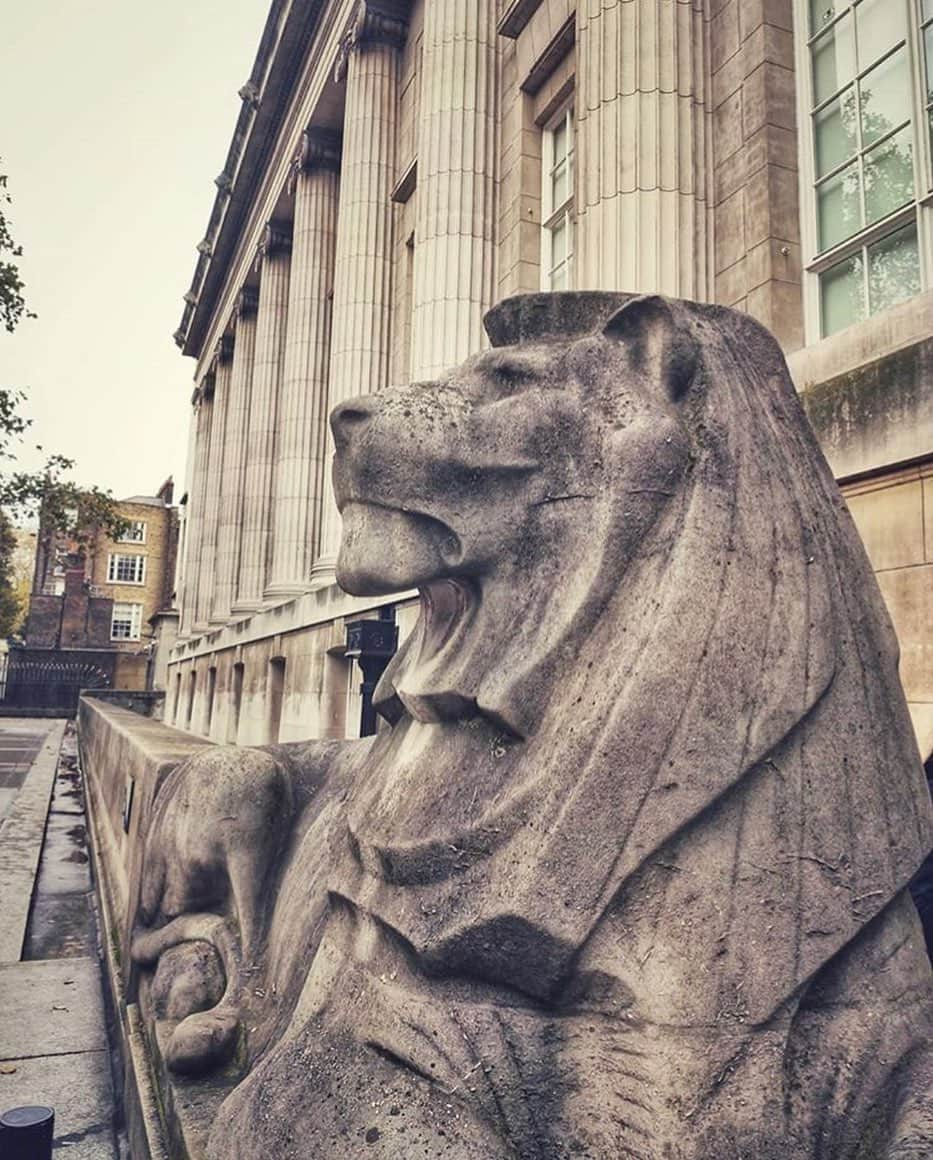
372 643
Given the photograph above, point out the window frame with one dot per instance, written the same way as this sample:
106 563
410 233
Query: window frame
135 620
918 210
552 215
126 538
113 568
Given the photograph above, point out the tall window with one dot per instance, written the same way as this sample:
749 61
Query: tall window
866 171
557 204
126 569
126 621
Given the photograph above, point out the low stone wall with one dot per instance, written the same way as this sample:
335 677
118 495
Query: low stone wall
125 757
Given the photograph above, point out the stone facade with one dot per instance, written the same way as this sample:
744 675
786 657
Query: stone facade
398 167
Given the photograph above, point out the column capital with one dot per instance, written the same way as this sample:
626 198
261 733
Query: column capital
247 303
276 239
223 351
320 149
373 22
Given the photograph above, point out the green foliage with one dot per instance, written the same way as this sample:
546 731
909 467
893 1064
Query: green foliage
11 608
12 303
47 495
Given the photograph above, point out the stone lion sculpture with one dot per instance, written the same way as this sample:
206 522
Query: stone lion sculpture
624 872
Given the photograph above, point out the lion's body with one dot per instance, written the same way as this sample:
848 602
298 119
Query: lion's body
626 875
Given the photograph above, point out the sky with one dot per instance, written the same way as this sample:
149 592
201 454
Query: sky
115 118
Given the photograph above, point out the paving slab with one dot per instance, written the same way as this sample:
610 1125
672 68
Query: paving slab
79 1088
21 836
51 1008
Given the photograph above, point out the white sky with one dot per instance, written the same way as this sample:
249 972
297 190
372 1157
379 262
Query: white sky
115 118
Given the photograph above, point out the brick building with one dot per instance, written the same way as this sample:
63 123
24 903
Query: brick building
103 597
397 167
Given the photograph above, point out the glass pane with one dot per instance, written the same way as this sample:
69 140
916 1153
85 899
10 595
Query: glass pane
880 24
822 11
834 135
928 45
559 243
842 295
560 141
927 9
559 278
833 60
893 269
560 185
884 94
889 175
839 207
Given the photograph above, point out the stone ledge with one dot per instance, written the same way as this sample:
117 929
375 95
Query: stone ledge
117 747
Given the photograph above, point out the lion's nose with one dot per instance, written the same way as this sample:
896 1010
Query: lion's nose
349 418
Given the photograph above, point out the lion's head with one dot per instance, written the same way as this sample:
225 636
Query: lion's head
632 555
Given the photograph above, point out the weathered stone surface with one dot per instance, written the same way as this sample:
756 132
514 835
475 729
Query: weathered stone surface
625 873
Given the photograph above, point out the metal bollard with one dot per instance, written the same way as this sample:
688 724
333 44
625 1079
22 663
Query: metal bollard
26 1133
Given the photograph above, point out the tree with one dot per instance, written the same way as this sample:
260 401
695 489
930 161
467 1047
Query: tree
48 495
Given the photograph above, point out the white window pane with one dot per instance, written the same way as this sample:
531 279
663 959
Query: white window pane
833 60
559 278
559 242
834 133
884 97
839 207
822 11
560 185
928 55
842 295
893 269
889 175
560 140
927 9
880 24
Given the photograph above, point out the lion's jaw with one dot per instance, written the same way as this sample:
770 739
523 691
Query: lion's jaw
515 518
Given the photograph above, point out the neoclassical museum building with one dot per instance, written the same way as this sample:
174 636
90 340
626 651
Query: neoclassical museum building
397 168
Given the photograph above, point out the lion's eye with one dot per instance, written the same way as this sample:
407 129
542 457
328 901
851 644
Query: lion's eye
511 376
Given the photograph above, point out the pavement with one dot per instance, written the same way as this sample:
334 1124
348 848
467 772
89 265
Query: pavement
54 1045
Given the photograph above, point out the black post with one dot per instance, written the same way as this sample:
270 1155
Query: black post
26 1133
372 643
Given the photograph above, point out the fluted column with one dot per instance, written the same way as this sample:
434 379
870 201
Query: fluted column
640 194
207 578
234 465
203 402
454 255
274 259
359 360
302 426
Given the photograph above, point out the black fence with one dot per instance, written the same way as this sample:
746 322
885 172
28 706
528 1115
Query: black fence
51 680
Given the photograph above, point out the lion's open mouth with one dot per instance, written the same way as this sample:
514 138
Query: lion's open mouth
446 606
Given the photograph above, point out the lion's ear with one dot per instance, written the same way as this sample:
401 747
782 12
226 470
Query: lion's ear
658 345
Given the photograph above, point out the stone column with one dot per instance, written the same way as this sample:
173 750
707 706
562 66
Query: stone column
234 465
203 403
302 426
359 359
640 198
455 208
271 315
207 578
